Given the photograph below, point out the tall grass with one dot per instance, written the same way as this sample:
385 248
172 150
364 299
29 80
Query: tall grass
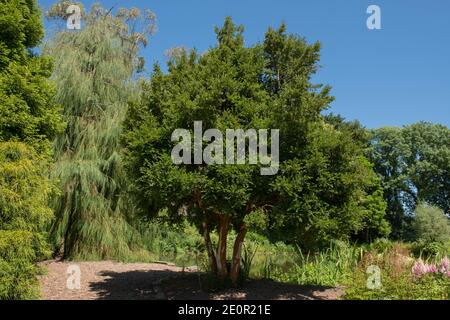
329 267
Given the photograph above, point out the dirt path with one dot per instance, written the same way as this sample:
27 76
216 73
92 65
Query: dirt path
136 281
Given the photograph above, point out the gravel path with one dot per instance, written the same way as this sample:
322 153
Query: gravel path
105 280
142 281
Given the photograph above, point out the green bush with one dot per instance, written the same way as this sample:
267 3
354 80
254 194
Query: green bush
431 225
24 214
426 249
431 230
19 250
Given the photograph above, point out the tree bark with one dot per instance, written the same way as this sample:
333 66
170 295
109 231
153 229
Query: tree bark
221 256
209 247
237 252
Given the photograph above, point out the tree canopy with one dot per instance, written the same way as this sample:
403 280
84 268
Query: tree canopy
93 71
27 111
325 187
413 163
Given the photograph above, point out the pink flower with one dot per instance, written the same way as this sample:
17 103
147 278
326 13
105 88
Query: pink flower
445 265
431 268
419 268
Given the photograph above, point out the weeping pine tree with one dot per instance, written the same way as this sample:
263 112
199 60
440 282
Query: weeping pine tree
94 68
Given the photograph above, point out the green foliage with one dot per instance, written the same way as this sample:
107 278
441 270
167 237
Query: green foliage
423 248
431 231
24 193
181 245
24 188
27 112
329 191
431 287
325 188
29 120
329 267
17 269
414 165
431 225
397 281
93 69
20 28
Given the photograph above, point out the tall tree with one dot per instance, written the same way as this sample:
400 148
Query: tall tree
266 86
93 69
414 165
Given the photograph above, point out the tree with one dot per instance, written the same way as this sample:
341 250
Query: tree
430 224
29 120
27 112
428 163
93 70
265 86
414 165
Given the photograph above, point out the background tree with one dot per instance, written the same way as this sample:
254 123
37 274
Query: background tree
236 87
414 165
430 224
93 70
428 163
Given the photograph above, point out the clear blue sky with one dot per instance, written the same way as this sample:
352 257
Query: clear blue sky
394 76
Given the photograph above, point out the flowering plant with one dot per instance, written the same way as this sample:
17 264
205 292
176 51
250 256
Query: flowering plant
420 268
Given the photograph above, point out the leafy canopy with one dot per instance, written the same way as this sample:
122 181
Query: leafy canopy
325 187
27 112
414 165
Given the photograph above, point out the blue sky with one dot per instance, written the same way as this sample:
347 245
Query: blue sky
394 76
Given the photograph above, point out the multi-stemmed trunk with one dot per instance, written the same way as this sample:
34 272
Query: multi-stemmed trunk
218 257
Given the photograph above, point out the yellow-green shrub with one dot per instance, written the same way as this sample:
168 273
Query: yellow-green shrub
24 214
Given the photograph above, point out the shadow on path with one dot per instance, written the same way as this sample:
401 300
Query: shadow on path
166 284
131 285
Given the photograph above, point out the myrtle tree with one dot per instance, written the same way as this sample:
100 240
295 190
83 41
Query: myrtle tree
231 86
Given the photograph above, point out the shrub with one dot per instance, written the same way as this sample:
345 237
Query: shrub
431 225
425 249
19 250
24 214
